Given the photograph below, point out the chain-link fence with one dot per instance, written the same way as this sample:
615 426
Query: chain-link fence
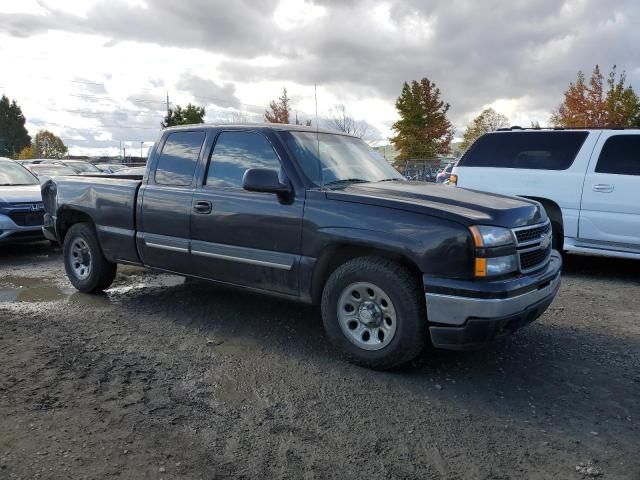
424 170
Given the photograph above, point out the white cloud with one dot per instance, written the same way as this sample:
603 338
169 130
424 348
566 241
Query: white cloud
293 14
97 71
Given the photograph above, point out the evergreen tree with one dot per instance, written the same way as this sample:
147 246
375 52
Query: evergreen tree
13 134
423 130
190 115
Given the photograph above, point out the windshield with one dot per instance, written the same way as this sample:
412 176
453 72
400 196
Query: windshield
82 167
38 170
341 159
13 174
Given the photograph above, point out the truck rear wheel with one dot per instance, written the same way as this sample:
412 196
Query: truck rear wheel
87 268
373 310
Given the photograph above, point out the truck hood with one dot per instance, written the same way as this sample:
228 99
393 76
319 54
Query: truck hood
20 194
465 206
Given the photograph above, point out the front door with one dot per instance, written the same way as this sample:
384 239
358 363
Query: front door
610 211
240 237
164 226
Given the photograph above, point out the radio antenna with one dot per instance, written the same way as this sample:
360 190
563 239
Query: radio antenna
315 96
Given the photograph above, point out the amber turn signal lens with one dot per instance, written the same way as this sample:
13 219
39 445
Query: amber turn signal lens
477 236
481 267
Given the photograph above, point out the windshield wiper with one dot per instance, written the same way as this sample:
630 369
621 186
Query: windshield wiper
395 179
16 184
345 180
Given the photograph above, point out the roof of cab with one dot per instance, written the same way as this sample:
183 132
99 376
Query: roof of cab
257 126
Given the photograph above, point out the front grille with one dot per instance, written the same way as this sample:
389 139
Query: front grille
27 219
534 233
534 246
533 258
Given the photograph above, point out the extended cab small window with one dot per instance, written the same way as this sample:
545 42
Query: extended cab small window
527 150
620 155
179 158
234 153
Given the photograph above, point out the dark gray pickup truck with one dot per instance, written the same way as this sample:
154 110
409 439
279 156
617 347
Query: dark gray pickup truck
319 218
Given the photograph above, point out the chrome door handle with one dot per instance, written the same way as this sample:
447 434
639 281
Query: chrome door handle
603 188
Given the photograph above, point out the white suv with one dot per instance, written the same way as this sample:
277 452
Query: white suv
587 180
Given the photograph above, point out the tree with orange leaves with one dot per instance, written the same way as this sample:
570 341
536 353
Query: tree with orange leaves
587 105
279 110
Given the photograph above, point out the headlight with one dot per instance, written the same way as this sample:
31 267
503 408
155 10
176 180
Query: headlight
495 251
486 237
492 266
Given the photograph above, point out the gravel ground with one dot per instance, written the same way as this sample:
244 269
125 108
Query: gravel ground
162 378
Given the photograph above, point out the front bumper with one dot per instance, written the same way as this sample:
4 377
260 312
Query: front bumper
466 314
10 231
49 228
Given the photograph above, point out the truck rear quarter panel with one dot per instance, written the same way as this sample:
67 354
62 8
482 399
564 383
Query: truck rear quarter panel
110 203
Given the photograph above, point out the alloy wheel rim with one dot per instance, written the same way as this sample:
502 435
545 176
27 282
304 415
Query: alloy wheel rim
367 316
80 258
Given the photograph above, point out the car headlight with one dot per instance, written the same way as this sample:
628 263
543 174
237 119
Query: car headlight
495 251
485 236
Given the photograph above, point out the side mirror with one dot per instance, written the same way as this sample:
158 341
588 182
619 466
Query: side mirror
264 180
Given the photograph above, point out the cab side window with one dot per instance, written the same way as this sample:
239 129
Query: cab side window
178 159
234 153
620 155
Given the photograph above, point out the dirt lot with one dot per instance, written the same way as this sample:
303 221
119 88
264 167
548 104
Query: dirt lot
159 378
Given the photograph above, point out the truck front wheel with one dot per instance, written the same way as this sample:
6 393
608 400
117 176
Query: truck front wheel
87 268
373 310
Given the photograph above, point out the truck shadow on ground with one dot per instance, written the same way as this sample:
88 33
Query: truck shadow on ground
547 373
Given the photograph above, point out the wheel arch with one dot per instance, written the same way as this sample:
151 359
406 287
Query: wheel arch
554 212
335 255
67 217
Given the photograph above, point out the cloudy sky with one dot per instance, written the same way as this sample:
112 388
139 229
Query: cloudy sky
97 72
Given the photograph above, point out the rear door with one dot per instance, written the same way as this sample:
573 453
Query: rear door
610 213
164 216
240 237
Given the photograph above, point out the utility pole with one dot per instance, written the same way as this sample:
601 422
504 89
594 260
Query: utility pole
167 101
141 143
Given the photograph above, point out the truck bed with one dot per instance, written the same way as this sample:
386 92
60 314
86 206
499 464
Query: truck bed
109 200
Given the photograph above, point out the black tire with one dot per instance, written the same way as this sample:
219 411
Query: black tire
100 273
407 300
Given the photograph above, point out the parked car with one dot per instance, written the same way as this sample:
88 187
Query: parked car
80 166
587 180
444 175
44 171
315 217
131 171
109 167
21 207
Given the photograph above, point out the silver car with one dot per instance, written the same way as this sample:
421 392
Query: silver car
21 207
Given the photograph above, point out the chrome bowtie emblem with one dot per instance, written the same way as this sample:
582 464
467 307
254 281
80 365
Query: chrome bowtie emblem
545 240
